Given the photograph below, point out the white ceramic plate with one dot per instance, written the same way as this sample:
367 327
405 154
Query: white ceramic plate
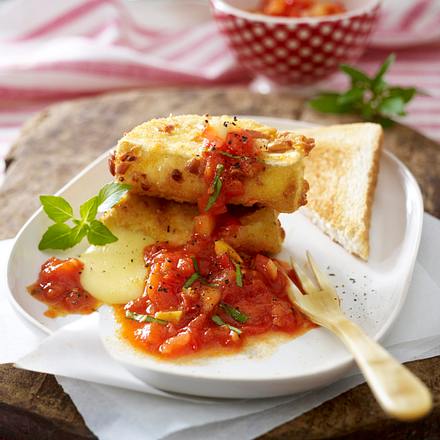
372 293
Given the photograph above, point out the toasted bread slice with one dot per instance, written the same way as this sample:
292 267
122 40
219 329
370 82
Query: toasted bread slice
166 220
157 159
342 173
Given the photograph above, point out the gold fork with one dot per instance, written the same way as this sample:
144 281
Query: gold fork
399 392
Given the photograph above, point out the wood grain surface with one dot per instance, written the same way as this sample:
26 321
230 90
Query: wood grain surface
56 144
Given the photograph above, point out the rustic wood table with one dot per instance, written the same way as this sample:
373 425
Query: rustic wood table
61 140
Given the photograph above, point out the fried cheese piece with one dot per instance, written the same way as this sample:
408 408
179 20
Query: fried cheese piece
166 220
342 172
159 158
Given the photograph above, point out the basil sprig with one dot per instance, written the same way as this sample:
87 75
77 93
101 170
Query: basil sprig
62 235
368 96
216 187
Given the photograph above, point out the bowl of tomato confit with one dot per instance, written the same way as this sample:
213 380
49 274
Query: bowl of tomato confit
295 42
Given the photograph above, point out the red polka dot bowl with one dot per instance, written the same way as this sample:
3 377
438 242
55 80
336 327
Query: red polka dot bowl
289 50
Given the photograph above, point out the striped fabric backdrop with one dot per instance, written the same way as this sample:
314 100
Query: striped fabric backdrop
59 50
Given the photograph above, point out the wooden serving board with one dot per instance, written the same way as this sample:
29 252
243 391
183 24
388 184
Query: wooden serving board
56 144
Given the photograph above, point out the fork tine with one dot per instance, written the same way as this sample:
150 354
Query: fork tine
305 280
320 277
294 294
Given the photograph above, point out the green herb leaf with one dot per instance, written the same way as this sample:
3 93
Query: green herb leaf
78 233
190 281
372 98
144 318
99 235
219 321
393 105
234 313
225 153
384 67
406 93
351 96
57 236
238 275
216 187
89 209
357 76
328 103
57 208
195 264
110 194
205 282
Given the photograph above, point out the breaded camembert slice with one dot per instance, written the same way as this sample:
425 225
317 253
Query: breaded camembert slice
342 172
160 158
169 221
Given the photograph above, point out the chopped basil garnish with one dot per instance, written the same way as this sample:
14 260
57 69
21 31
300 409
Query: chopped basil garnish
219 321
238 275
144 318
234 313
197 276
216 187
206 282
233 156
190 281
196 264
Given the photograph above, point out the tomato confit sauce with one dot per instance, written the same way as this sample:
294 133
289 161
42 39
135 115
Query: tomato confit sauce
203 294
59 287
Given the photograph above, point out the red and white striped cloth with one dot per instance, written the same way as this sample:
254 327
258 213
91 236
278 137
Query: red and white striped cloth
58 50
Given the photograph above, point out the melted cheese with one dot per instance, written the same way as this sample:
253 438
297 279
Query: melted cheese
115 273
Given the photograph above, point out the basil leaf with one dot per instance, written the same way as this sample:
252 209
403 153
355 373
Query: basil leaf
357 76
406 94
328 103
234 313
380 86
393 105
190 281
57 208
89 209
98 234
238 275
384 68
78 233
219 321
144 318
110 194
57 236
216 186
353 95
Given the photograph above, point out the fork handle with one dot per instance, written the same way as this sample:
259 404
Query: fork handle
399 392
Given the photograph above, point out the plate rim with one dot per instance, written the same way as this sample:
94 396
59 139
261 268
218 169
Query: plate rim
418 215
